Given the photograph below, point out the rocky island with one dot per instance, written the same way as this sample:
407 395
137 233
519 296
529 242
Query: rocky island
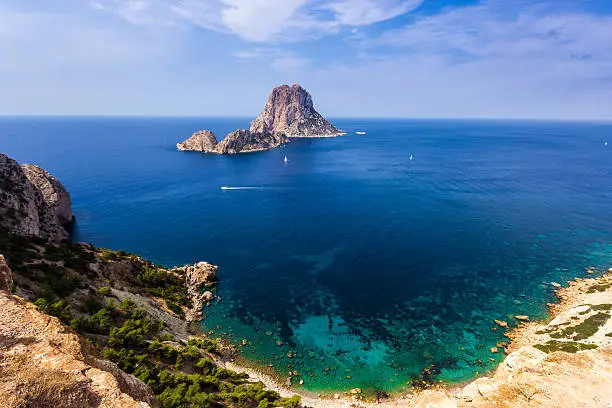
289 113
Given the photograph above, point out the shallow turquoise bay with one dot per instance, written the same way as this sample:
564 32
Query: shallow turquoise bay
366 266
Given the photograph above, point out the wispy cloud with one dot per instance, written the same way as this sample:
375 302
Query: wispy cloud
264 20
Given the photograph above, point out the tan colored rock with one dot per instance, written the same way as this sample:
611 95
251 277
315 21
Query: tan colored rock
23 210
523 318
494 350
434 399
200 141
198 277
42 363
501 323
54 193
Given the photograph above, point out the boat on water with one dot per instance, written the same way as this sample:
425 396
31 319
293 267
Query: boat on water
286 160
360 133
410 157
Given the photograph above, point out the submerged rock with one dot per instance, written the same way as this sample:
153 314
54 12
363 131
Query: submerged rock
290 111
200 141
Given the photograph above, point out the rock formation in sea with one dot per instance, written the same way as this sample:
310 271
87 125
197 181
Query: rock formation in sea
290 111
32 202
288 114
244 141
200 141
199 279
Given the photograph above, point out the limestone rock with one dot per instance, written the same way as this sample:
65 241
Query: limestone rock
200 141
6 276
53 192
198 277
434 399
23 209
44 364
290 111
244 141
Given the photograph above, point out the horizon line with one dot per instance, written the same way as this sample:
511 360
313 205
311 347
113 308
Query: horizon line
440 118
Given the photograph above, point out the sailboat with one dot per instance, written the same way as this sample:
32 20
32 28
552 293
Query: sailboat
410 157
286 160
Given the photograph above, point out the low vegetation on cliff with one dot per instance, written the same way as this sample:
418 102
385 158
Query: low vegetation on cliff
82 286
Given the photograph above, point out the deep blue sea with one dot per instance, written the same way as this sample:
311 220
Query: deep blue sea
364 265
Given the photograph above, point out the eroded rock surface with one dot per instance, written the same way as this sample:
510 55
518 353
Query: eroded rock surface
244 141
23 208
44 364
200 141
198 278
53 192
290 111
6 277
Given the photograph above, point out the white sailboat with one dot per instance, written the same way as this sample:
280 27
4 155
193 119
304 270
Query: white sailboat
286 160
410 157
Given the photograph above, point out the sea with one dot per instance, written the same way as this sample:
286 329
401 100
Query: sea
369 260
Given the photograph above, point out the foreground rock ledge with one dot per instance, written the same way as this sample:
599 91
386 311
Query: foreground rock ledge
43 363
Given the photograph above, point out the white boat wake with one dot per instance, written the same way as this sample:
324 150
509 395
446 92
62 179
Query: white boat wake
241 188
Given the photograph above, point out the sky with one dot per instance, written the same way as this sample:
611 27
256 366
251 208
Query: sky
531 59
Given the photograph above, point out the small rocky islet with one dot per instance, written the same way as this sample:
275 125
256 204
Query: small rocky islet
289 113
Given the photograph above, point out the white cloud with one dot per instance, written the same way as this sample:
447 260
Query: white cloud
265 20
364 12
494 59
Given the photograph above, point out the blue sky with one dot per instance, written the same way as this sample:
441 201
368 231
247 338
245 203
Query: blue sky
362 58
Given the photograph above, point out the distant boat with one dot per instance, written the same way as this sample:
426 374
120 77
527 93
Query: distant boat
605 143
410 157
361 133
286 160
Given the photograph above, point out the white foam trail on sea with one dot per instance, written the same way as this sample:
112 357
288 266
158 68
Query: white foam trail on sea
242 188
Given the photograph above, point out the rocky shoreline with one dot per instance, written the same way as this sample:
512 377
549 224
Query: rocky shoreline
289 113
543 367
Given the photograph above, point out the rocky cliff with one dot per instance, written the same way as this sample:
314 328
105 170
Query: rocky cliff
199 279
245 141
45 364
53 192
290 111
24 209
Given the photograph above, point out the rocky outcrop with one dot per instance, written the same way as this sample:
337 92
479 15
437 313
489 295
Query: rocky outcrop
199 278
44 364
290 111
244 141
23 208
200 141
6 277
53 192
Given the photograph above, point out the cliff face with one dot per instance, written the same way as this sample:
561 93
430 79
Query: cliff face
23 206
290 111
44 364
244 141
53 192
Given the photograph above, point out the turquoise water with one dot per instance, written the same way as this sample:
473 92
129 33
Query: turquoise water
365 266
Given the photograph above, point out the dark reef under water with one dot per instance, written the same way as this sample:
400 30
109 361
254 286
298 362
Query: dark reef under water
352 264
